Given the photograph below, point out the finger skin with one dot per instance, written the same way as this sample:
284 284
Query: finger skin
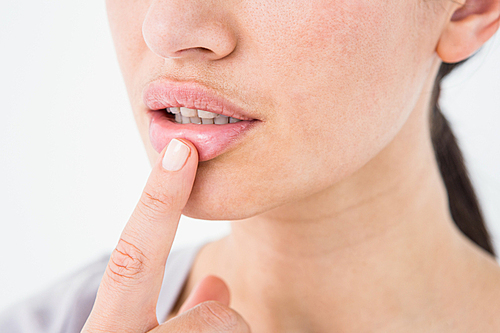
127 297
207 317
210 288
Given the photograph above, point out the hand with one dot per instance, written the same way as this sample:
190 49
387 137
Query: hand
128 293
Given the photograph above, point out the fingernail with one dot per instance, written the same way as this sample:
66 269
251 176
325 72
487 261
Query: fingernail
175 156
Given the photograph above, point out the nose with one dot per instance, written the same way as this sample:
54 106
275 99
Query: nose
189 29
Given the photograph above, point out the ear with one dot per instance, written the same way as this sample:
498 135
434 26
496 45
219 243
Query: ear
471 25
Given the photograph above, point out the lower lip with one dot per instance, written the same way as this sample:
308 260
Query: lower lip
210 140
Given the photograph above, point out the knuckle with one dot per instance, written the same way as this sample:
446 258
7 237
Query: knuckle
154 202
218 316
127 264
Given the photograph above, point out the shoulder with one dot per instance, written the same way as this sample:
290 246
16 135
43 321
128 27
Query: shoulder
65 306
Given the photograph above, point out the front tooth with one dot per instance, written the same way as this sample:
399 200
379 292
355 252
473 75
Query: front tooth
178 118
233 120
188 112
206 114
174 110
220 119
185 120
207 121
195 120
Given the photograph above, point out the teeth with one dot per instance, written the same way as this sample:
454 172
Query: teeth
206 114
220 119
189 112
178 118
195 120
192 116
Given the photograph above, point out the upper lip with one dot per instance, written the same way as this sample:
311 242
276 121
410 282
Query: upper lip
161 94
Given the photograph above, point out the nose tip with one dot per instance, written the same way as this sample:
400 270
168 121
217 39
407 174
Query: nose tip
184 29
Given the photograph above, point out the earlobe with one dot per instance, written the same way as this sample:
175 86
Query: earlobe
468 29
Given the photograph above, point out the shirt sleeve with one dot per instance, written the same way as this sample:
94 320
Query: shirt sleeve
63 308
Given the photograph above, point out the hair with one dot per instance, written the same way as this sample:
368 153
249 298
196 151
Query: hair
464 206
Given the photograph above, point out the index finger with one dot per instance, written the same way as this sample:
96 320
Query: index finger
127 297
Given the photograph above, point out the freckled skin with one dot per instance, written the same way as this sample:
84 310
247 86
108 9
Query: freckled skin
333 82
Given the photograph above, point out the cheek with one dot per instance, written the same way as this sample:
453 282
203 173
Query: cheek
125 20
348 75
344 77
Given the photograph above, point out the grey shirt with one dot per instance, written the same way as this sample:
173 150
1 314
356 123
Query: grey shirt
64 307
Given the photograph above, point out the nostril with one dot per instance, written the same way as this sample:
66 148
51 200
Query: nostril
204 49
172 31
194 52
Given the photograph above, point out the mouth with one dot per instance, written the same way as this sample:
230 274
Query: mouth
182 115
190 111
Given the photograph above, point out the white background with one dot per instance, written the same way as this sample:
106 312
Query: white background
72 165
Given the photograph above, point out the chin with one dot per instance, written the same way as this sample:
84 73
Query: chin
207 203
200 210
228 199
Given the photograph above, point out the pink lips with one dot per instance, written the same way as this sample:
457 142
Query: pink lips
209 140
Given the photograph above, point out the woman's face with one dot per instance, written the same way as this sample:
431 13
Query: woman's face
332 83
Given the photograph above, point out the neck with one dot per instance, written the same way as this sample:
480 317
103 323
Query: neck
352 257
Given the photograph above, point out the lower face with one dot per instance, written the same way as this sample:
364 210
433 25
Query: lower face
332 83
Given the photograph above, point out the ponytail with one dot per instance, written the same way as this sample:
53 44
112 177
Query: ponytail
464 205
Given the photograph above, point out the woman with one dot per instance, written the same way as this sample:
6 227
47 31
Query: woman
353 211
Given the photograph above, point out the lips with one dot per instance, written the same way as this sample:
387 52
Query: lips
163 94
210 140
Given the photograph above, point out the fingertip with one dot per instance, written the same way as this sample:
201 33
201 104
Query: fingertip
210 288
177 153
218 289
193 152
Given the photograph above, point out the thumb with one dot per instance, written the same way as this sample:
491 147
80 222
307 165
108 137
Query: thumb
210 288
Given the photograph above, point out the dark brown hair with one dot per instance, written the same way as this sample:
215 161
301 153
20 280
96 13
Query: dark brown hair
464 206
